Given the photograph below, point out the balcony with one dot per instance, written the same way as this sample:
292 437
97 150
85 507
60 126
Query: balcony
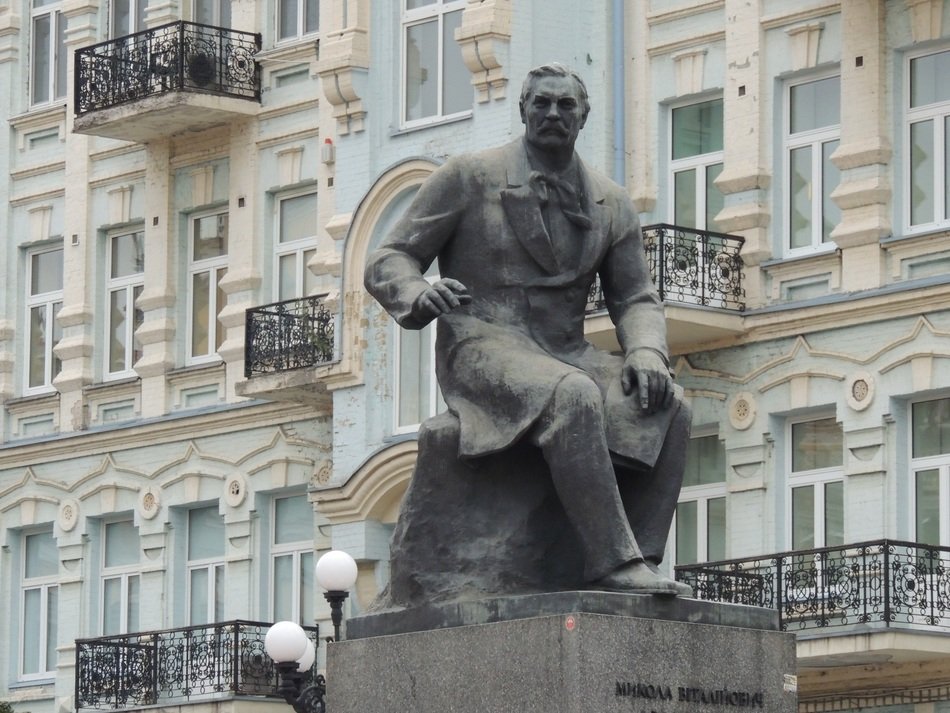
176 666
159 82
698 274
281 340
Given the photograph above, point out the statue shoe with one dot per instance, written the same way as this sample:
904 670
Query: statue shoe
639 578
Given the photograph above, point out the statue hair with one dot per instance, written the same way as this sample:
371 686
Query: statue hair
553 69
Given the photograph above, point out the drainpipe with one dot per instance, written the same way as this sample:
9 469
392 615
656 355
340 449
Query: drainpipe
619 92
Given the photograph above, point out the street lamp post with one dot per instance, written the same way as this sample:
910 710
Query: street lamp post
293 653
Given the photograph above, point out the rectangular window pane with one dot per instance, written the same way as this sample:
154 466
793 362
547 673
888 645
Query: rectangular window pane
716 529
60 55
800 197
284 588
32 621
927 500
132 608
415 376
803 518
830 177
41 557
697 129
128 254
834 514
198 595
210 236
922 172
928 79
205 534
931 428
200 313
287 20
298 218
307 589
287 276
715 200
413 4
816 444
686 533
312 16
946 167
309 279
705 461
422 70
456 80
52 626
46 272
112 606
138 318
121 18
204 12
684 198
38 337
219 592
221 300
815 104
57 336
122 544
42 51
118 304
293 520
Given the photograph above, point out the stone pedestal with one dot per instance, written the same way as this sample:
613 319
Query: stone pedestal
565 652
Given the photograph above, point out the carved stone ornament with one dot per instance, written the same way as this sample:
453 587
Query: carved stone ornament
149 504
235 491
860 390
68 515
742 410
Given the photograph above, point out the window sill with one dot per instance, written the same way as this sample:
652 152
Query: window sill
34 683
438 121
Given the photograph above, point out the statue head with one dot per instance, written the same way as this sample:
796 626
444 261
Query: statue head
554 106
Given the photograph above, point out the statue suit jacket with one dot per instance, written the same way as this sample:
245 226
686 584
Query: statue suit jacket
499 358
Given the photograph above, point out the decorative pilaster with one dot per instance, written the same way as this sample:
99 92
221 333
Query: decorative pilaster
926 19
484 36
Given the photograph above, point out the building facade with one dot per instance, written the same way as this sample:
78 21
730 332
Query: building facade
199 396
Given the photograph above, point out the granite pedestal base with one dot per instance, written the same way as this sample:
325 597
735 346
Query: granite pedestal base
578 651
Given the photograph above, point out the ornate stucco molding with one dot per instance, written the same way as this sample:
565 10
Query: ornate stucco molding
484 36
344 61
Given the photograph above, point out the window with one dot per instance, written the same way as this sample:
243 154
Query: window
120 578
296 18
205 566
126 278
48 52
930 465
39 606
928 137
812 135
207 267
296 245
292 551
44 300
212 12
127 17
700 523
695 163
816 484
435 80
417 391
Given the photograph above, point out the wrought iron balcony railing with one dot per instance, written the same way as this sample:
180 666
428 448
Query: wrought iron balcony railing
886 583
179 56
176 665
690 266
288 335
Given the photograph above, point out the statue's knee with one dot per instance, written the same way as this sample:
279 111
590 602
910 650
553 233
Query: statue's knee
579 391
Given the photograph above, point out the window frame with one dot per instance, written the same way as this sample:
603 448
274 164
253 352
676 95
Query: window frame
217 268
133 285
703 161
56 79
212 565
435 393
123 573
300 247
219 17
434 11
939 462
941 150
51 302
300 32
813 478
296 550
45 585
702 495
137 18
815 139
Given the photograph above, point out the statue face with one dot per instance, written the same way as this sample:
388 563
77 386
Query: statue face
553 113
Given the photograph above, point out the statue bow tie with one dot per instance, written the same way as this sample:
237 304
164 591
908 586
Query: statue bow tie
544 185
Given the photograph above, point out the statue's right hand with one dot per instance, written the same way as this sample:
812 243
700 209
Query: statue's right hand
440 298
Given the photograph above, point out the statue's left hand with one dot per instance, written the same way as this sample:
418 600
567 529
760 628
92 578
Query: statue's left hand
647 378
